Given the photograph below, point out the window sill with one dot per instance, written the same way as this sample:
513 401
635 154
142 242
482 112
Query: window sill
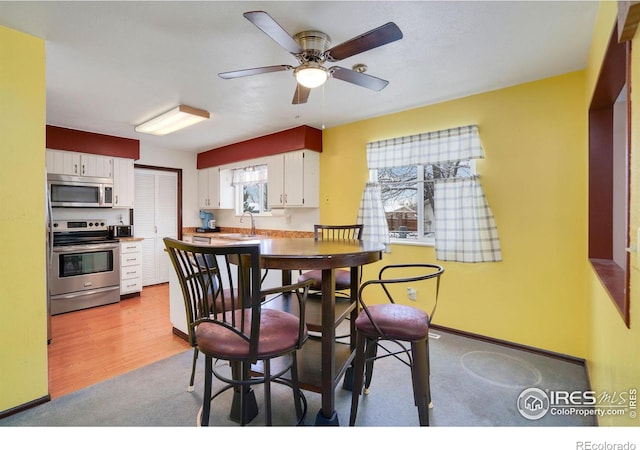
613 278
412 242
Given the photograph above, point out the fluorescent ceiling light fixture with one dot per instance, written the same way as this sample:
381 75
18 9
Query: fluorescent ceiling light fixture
311 75
173 120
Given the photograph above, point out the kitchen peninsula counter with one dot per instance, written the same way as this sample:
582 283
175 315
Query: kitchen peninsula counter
191 231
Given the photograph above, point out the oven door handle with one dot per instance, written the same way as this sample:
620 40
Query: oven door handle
84 248
84 293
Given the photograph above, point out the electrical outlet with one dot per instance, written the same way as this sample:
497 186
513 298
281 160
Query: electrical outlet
411 293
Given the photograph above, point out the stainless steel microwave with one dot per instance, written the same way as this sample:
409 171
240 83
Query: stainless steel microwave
80 192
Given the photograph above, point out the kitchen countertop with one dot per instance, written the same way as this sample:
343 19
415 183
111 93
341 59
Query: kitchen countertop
129 239
228 233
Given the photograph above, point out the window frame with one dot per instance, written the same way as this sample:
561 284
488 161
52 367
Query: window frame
239 199
614 77
424 241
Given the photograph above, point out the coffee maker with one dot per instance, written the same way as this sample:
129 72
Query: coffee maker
208 223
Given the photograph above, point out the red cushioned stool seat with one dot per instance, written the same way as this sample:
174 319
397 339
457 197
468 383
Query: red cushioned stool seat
343 279
401 322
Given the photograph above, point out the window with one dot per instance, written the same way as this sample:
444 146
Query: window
250 185
431 193
252 198
408 197
609 137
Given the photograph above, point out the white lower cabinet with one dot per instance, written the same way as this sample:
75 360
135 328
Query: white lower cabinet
130 267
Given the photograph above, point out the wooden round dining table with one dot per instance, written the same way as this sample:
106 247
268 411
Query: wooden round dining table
289 254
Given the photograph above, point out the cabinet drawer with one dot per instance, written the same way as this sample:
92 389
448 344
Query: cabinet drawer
129 272
130 259
128 286
130 247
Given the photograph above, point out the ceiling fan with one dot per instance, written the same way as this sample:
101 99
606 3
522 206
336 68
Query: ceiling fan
311 49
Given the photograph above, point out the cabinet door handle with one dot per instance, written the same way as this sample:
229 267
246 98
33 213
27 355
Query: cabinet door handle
75 168
280 198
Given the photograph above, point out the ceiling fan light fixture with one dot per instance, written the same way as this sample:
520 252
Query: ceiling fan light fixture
311 75
175 119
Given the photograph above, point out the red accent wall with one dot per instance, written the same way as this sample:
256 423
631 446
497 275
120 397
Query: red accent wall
299 138
85 142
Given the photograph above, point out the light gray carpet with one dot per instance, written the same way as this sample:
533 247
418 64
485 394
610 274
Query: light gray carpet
473 383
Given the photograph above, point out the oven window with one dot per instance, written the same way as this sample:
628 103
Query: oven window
75 194
73 264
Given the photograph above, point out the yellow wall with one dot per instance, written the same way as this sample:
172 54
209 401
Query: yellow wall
23 325
534 177
613 357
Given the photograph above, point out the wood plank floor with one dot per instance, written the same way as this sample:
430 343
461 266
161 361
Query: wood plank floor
96 344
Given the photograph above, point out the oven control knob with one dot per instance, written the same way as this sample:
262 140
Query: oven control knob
55 224
90 224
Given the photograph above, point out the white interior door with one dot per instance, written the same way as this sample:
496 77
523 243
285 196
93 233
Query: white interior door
155 217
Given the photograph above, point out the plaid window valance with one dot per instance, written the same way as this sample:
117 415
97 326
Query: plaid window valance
454 144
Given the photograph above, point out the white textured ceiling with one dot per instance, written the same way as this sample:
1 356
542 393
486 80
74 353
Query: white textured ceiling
111 65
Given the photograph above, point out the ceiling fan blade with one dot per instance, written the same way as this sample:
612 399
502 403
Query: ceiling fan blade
377 37
272 29
301 95
254 71
361 79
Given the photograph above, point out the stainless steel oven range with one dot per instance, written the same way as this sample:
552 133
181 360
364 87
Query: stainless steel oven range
85 266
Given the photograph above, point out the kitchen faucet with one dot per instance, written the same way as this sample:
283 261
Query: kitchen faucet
253 223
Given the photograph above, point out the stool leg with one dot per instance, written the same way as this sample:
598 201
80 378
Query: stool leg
206 401
420 378
193 369
267 391
358 372
370 354
295 384
429 402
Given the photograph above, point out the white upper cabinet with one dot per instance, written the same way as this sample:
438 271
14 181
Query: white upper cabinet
204 194
64 163
294 180
96 166
123 183
214 189
79 164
